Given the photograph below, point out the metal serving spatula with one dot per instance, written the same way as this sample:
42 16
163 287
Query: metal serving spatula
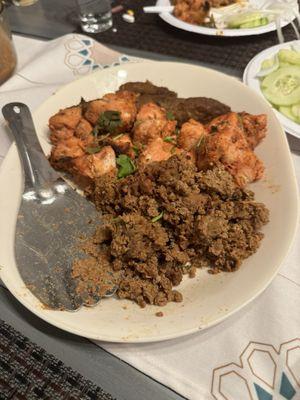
52 217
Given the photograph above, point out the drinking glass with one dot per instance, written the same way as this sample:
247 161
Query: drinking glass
24 3
95 15
8 59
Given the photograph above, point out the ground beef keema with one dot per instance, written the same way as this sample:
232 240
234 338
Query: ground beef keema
167 219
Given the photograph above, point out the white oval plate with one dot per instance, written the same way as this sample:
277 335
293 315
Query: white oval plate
208 299
172 20
250 79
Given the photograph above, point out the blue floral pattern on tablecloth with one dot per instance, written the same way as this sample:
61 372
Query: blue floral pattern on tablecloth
82 56
263 373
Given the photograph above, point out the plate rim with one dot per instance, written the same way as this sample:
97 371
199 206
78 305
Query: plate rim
157 338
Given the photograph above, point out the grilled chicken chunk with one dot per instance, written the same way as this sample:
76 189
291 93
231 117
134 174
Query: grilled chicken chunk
95 165
152 123
226 143
255 128
122 102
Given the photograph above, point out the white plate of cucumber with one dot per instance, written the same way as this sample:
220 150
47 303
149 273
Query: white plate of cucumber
275 74
242 18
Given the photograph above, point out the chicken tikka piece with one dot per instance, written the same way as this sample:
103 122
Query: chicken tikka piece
119 133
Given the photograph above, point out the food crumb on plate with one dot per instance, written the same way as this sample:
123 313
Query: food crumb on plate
192 272
159 314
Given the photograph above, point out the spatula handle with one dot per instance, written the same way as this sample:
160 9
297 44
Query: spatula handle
37 170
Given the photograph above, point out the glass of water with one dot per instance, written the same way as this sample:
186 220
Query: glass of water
95 15
24 3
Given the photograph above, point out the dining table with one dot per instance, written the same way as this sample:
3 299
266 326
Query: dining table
40 361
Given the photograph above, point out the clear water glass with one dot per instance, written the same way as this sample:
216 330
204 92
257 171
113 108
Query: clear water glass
24 3
95 15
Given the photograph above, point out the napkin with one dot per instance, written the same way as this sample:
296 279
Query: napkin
253 355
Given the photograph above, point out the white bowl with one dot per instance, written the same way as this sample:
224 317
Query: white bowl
252 81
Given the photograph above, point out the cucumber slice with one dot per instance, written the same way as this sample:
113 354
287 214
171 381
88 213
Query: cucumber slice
284 64
282 87
255 23
287 111
237 21
289 56
268 63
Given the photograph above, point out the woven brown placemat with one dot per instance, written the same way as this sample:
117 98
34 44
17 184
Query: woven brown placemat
28 372
151 33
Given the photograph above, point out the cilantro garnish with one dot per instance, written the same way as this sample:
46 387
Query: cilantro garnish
158 217
169 139
136 150
201 141
170 116
126 166
108 121
118 136
93 150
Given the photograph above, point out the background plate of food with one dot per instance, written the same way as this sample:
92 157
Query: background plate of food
275 74
229 17
194 208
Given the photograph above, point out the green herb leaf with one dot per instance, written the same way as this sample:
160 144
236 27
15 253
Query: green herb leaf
136 150
169 139
201 141
213 129
102 137
170 116
93 150
158 217
118 136
126 166
108 121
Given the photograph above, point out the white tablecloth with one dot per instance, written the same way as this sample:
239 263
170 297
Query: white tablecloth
253 355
